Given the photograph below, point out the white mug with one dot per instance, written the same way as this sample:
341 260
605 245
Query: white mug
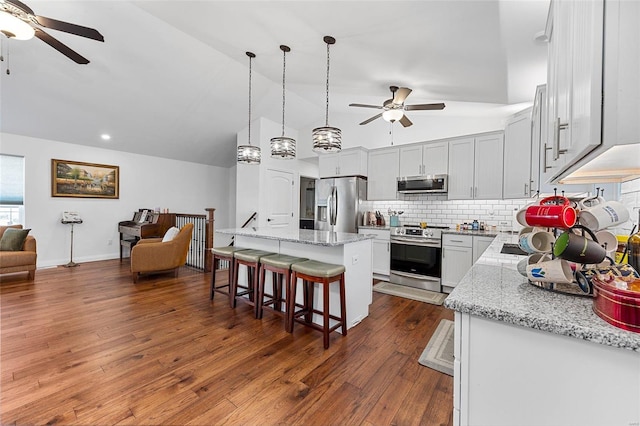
530 260
609 241
536 240
550 271
602 214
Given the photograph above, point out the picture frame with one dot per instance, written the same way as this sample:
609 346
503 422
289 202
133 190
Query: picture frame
84 180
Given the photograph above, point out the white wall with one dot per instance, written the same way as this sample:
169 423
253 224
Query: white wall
251 194
145 182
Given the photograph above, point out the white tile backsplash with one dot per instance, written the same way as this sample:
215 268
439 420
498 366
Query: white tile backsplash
437 210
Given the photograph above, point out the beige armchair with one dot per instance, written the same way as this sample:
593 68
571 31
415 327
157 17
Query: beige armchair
20 260
152 255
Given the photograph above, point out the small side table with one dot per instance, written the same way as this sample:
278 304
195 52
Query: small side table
69 222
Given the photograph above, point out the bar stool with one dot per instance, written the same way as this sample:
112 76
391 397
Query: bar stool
222 253
280 266
312 271
251 259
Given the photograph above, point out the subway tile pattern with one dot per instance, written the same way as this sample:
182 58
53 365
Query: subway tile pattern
437 210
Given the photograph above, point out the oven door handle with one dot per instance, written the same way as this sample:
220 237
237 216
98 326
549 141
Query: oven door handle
435 244
415 276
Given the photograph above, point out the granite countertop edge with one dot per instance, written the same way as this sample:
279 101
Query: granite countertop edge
544 324
303 236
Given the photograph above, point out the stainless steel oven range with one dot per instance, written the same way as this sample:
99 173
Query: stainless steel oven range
416 256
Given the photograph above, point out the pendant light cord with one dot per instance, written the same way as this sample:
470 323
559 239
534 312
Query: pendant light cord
327 104
284 67
250 58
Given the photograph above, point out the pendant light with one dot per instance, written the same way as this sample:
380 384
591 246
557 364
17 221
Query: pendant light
249 154
283 147
327 138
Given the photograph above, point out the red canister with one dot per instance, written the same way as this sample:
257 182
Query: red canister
552 212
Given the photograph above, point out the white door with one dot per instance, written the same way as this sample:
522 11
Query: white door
280 199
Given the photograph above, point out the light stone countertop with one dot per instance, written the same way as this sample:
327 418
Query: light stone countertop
476 233
494 289
304 236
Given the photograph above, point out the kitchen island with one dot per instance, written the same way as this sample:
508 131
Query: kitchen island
528 356
342 248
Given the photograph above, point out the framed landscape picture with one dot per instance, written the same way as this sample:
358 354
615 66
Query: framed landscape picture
85 180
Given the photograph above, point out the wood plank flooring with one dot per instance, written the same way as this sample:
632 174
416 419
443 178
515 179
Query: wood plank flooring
86 346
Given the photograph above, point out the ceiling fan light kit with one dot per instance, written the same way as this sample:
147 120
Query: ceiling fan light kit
249 154
14 27
394 108
283 147
392 115
19 22
327 139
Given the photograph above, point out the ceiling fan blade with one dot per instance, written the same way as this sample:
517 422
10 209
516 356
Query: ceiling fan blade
20 5
423 107
405 121
371 119
60 47
67 27
366 106
400 95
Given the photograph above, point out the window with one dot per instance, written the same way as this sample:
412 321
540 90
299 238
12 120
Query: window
11 189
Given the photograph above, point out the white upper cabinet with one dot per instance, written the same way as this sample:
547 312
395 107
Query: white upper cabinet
424 159
349 162
517 156
488 167
461 168
383 173
574 82
475 167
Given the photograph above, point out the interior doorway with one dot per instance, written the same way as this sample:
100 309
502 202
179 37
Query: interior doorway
307 202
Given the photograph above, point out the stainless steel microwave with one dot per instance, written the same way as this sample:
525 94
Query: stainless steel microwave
420 184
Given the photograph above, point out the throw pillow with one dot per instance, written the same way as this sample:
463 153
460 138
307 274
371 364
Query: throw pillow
13 239
170 234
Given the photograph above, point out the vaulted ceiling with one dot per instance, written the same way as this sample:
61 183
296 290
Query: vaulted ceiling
171 77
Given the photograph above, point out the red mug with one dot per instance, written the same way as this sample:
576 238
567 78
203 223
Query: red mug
560 214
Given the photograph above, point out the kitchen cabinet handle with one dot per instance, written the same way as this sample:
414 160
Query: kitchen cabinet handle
544 159
475 192
557 151
443 252
456 241
388 247
471 192
525 189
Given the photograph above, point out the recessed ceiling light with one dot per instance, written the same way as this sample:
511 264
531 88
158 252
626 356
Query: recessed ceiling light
105 137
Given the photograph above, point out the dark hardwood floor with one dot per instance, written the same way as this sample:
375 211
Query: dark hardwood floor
86 346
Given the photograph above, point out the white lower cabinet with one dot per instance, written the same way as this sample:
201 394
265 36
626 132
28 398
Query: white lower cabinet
381 251
459 253
507 375
480 244
457 259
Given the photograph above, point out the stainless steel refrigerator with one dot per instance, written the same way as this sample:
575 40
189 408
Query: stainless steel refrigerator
337 203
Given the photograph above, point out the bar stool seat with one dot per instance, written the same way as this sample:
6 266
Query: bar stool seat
313 271
222 253
251 259
280 266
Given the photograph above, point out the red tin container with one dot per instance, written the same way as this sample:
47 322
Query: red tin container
620 308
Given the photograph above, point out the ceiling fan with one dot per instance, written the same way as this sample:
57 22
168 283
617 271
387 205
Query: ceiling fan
394 108
18 21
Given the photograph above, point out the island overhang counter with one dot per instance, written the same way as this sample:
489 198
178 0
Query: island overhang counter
354 251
